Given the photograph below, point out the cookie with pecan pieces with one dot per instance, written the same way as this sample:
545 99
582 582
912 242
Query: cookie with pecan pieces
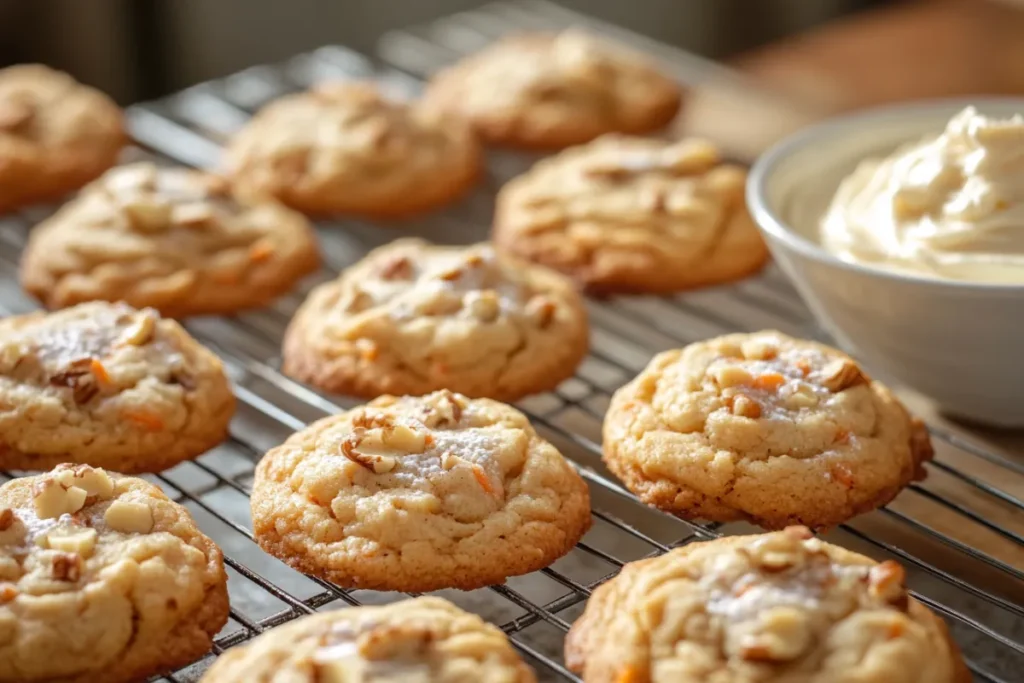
548 91
773 608
631 214
109 386
419 494
102 578
55 134
346 148
762 427
169 238
423 640
411 318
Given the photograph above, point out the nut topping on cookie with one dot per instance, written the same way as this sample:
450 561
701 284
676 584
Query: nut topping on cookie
129 517
77 541
6 518
66 566
842 374
141 329
52 499
15 114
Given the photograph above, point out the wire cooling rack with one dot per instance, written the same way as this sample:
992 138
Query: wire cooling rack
960 533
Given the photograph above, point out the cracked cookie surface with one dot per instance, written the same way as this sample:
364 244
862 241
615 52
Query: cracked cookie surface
102 578
110 386
346 148
762 427
631 214
55 134
778 607
411 318
423 640
548 91
419 494
171 238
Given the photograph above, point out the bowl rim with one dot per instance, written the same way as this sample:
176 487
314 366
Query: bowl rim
777 228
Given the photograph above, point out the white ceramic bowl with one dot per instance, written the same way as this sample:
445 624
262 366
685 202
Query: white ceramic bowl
960 343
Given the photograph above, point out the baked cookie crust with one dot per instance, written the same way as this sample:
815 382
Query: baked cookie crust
55 134
170 238
634 215
346 148
102 578
411 318
765 428
419 494
549 91
427 640
776 607
110 386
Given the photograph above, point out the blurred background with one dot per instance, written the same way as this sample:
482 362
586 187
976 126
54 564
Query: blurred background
804 58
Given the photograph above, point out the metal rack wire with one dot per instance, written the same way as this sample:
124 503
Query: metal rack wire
960 533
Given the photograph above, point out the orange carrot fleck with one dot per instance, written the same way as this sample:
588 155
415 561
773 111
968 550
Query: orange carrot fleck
803 366
628 675
843 475
145 419
261 251
99 372
481 478
895 629
842 436
770 381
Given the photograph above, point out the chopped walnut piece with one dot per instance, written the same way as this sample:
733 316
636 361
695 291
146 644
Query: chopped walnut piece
541 310
887 582
760 348
389 642
196 215
6 519
842 374
396 268
777 552
66 566
79 378
51 498
745 406
484 306
728 375
450 275
129 517
446 409
94 480
140 331
147 215
376 463
782 634
77 541
802 397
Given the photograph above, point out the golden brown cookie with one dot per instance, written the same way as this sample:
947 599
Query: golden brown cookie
419 494
102 578
782 607
346 148
170 238
55 134
411 318
762 427
545 91
110 386
630 214
423 640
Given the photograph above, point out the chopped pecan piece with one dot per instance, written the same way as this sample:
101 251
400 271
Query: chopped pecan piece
79 378
66 567
6 519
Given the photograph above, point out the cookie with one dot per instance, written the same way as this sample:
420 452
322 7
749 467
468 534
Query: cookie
423 640
170 238
102 578
411 318
419 494
630 214
549 91
774 608
55 134
765 428
347 149
107 385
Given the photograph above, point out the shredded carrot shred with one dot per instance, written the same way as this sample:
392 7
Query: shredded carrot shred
843 475
842 436
260 251
770 381
481 478
895 629
803 366
628 675
99 372
145 419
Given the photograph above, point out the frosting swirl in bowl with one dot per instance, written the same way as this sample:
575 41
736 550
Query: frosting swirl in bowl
951 206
